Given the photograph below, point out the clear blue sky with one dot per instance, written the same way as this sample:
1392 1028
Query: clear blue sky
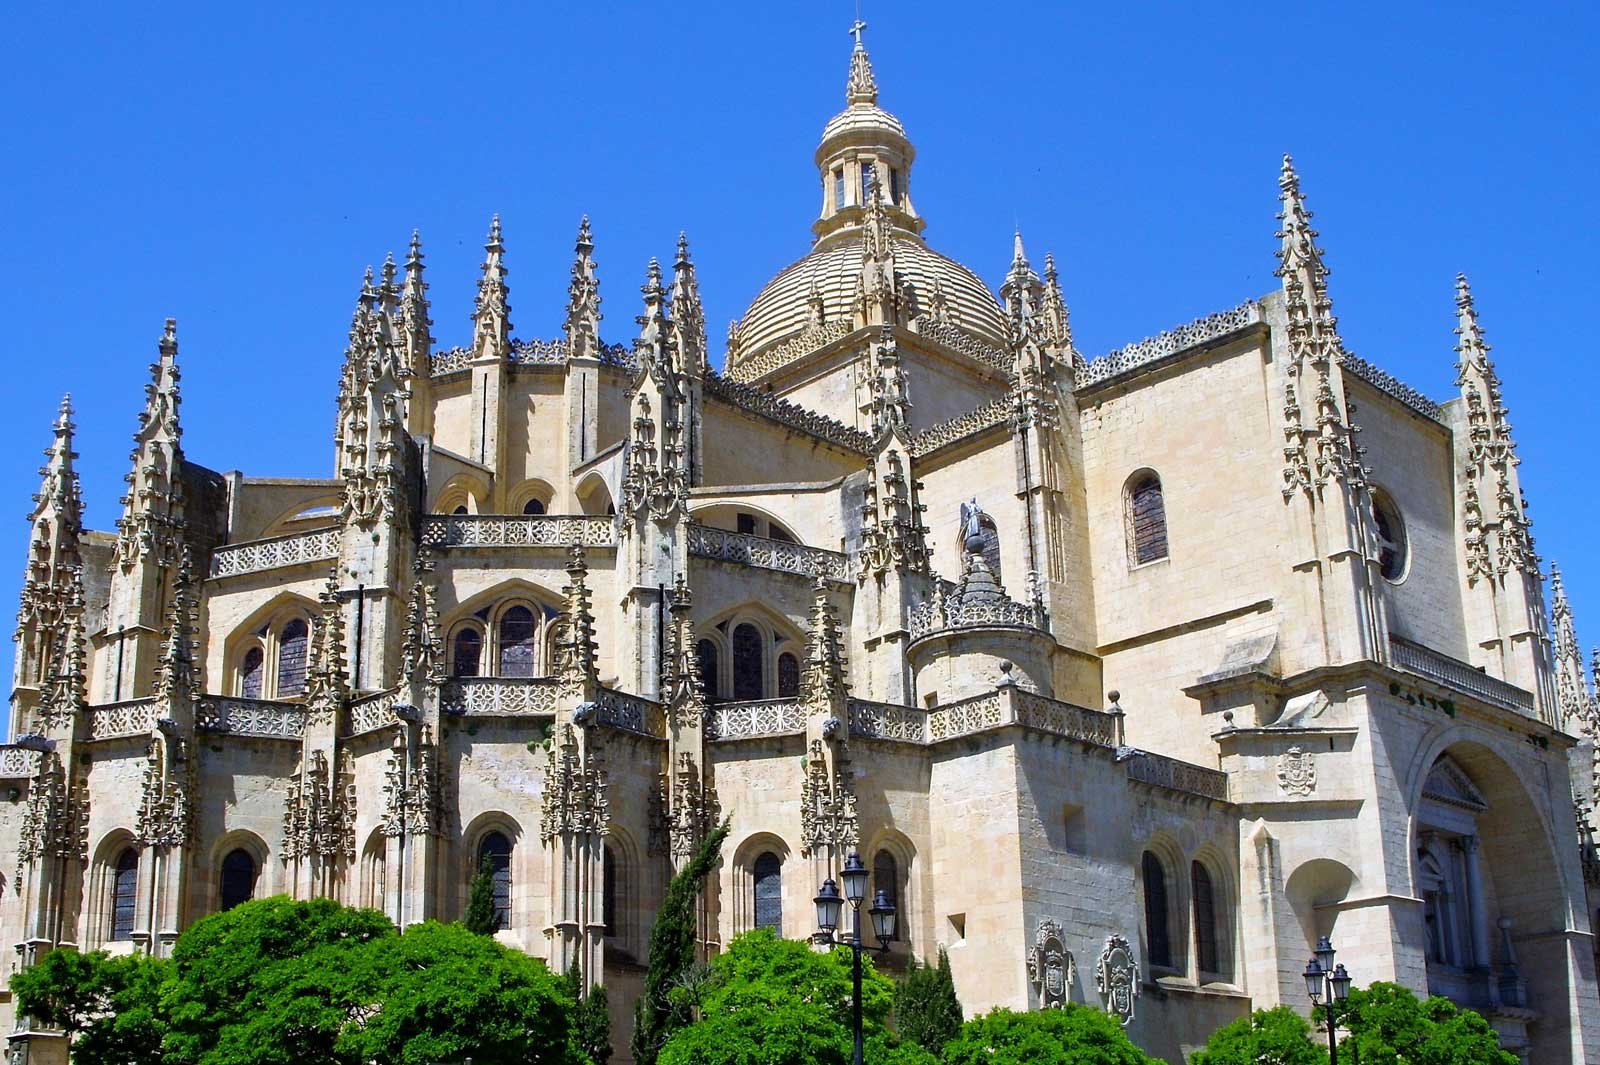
236 167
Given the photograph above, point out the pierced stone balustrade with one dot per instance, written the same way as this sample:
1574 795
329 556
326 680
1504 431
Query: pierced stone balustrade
1462 676
373 712
631 713
18 762
254 556
517 530
765 553
500 696
132 717
764 717
267 718
888 721
1164 772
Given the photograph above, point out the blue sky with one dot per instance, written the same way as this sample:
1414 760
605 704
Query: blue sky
238 170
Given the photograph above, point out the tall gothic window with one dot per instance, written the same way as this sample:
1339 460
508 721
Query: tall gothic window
768 872
608 892
1389 530
1159 941
866 182
894 186
466 652
749 667
124 890
706 652
250 671
1147 520
495 849
788 676
292 658
886 877
516 642
238 878
533 506
1205 919
838 189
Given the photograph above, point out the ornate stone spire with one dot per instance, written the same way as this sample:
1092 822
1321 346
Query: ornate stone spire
822 683
327 682
422 646
491 316
152 510
372 401
879 284
1572 696
1054 321
892 534
177 681
862 88
656 474
682 687
578 668
1021 291
688 314
1321 453
1504 542
414 308
582 325
50 651
574 791
654 329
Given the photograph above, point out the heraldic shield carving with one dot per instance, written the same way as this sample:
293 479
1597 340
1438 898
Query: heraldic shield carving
1116 977
1050 965
1297 772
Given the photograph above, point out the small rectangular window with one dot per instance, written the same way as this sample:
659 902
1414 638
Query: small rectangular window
747 524
894 187
1076 836
866 183
838 189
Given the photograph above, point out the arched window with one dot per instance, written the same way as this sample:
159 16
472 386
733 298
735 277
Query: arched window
768 872
466 652
886 877
1147 520
1389 530
292 658
1159 942
460 509
250 670
976 524
533 506
238 877
749 672
495 849
516 642
608 892
706 651
124 889
1205 919
788 676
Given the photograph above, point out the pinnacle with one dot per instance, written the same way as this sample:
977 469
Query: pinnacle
169 338
862 88
1288 180
585 236
494 234
1017 254
416 247
64 416
683 249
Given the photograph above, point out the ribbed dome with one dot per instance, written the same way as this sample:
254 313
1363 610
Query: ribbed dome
862 119
781 308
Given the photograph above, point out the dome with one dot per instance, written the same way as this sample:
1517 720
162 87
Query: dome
862 119
834 270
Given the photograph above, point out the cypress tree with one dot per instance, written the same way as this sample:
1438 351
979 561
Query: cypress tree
591 1015
926 1010
481 916
672 953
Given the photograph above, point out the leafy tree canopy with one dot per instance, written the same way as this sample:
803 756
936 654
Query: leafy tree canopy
1072 1035
926 1010
1391 1026
1278 1036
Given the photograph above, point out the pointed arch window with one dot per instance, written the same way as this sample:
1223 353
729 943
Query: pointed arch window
124 891
1147 519
292 647
466 652
517 643
1205 919
1157 937
1389 530
706 652
768 872
533 506
788 676
251 669
608 892
495 850
238 878
749 665
886 878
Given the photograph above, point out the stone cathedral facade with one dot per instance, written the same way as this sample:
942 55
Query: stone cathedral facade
1128 677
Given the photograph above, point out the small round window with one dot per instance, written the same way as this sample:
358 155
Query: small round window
1389 532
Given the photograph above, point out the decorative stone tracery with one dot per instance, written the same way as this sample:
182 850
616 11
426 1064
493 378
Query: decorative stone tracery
827 808
1116 977
1051 969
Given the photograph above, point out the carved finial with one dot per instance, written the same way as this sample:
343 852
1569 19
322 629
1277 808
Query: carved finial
414 311
1472 348
688 315
582 324
579 670
1021 290
491 330
653 322
169 339
862 87
1056 321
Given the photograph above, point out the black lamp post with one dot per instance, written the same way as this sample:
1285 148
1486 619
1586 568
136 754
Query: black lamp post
1324 978
829 902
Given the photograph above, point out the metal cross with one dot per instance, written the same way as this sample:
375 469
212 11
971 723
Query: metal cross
855 30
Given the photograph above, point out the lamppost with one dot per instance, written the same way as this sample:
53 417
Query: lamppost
1323 978
829 902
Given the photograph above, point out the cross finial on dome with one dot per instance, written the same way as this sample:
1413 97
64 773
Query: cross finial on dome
862 87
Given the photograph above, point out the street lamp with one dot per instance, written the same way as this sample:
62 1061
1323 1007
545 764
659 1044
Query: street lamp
830 903
1325 979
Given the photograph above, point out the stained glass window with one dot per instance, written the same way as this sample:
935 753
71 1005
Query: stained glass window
496 849
516 642
749 672
467 653
1147 520
710 683
124 890
292 658
1205 919
769 892
533 506
788 676
250 674
1159 942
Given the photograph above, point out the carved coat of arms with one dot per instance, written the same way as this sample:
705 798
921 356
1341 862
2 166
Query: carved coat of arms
1050 965
1116 977
1297 772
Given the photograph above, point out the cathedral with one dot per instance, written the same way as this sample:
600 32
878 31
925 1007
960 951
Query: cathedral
1128 677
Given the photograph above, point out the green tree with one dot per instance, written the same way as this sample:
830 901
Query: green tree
482 917
591 1021
926 1010
672 952
771 1001
1391 1026
106 1004
1072 1035
1278 1036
